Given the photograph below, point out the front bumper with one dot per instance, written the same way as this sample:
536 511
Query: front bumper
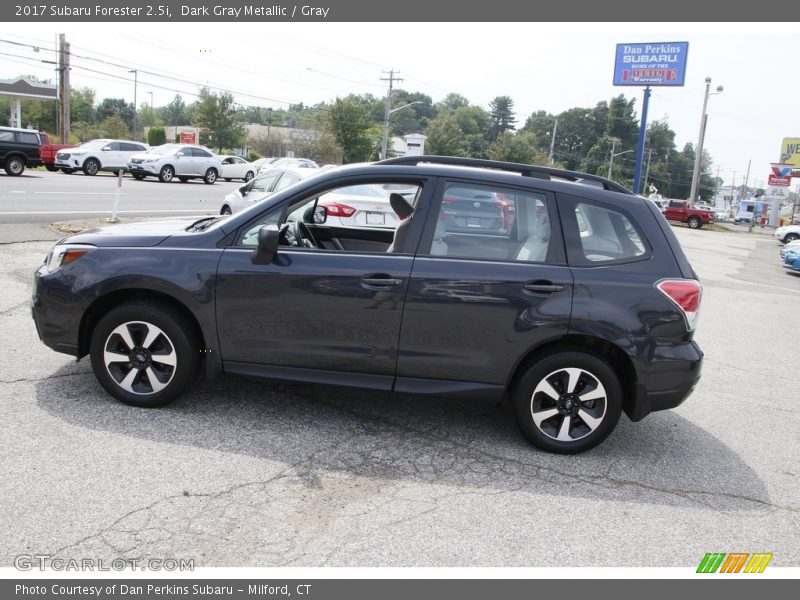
55 313
143 168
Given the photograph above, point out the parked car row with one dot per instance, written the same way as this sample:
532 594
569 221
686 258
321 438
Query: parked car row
790 251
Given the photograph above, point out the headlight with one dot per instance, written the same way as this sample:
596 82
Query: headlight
78 153
65 254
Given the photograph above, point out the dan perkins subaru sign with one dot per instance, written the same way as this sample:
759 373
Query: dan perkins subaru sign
660 63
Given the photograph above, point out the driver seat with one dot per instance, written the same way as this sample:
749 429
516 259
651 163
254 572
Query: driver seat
403 210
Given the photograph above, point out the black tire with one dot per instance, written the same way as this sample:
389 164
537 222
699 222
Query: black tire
227 179
694 223
174 339
51 168
91 166
138 176
183 179
596 394
210 177
67 171
248 176
15 166
166 174
790 237
225 210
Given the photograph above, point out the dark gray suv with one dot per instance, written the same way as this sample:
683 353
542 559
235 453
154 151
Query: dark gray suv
578 304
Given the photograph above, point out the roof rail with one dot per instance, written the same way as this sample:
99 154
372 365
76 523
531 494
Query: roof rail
523 169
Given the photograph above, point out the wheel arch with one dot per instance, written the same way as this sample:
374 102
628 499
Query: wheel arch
102 305
615 356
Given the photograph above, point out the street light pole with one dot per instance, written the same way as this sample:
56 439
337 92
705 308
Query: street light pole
385 139
699 150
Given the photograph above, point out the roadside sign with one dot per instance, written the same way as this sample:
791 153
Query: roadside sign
657 63
777 180
790 151
778 192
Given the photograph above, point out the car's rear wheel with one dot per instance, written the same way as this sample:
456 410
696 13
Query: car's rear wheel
138 176
567 402
67 171
15 166
166 174
210 177
91 166
51 168
144 354
694 223
248 176
226 210
790 237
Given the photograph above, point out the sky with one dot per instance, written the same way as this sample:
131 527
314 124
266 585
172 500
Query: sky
541 66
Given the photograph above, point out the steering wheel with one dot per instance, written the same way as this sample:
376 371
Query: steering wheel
304 236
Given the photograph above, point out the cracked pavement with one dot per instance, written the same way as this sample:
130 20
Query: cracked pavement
242 472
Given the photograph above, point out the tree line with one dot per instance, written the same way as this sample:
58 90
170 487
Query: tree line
349 129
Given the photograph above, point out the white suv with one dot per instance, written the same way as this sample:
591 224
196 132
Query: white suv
788 233
98 155
184 161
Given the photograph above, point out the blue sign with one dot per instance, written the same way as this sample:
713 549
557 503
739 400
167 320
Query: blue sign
659 63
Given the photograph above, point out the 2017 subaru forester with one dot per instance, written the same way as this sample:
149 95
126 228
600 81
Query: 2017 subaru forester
578 303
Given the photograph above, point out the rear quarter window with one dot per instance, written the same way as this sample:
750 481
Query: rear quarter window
599 234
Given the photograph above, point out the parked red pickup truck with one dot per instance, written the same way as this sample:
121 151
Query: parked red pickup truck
695 218
48 151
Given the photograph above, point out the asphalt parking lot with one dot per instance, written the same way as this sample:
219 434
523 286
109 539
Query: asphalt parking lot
248 473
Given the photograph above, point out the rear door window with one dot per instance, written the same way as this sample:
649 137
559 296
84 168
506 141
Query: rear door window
598 233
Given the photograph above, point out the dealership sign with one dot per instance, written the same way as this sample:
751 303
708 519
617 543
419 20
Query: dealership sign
790 152
659 63
780 175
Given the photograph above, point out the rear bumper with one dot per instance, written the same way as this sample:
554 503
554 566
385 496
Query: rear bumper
669 384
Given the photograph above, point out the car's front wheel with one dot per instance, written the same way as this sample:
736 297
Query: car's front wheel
248 176
790 237
567 402
91 166
210 177
166 174
694 223
226 210
144 354
138 176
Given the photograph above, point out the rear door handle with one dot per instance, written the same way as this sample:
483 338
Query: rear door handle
543 287
380 280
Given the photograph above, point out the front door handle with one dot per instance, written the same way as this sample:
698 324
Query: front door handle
543 287
380 280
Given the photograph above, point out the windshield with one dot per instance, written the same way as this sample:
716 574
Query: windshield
165 149
94 145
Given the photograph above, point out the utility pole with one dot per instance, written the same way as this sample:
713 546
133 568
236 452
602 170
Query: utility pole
553 141
698 158
135 108
63 89
387 109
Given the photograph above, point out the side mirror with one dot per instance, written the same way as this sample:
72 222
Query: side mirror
267 246
105 148
244 189
178 154
320 215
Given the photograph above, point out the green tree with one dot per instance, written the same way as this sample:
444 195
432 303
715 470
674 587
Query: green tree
156 136
445 137
502 114
349 122
451 103
216 114
622 122
516 147
81 105
115 127
111 107
175 113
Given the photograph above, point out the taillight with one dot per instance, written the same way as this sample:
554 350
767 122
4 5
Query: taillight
336 209
686 294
